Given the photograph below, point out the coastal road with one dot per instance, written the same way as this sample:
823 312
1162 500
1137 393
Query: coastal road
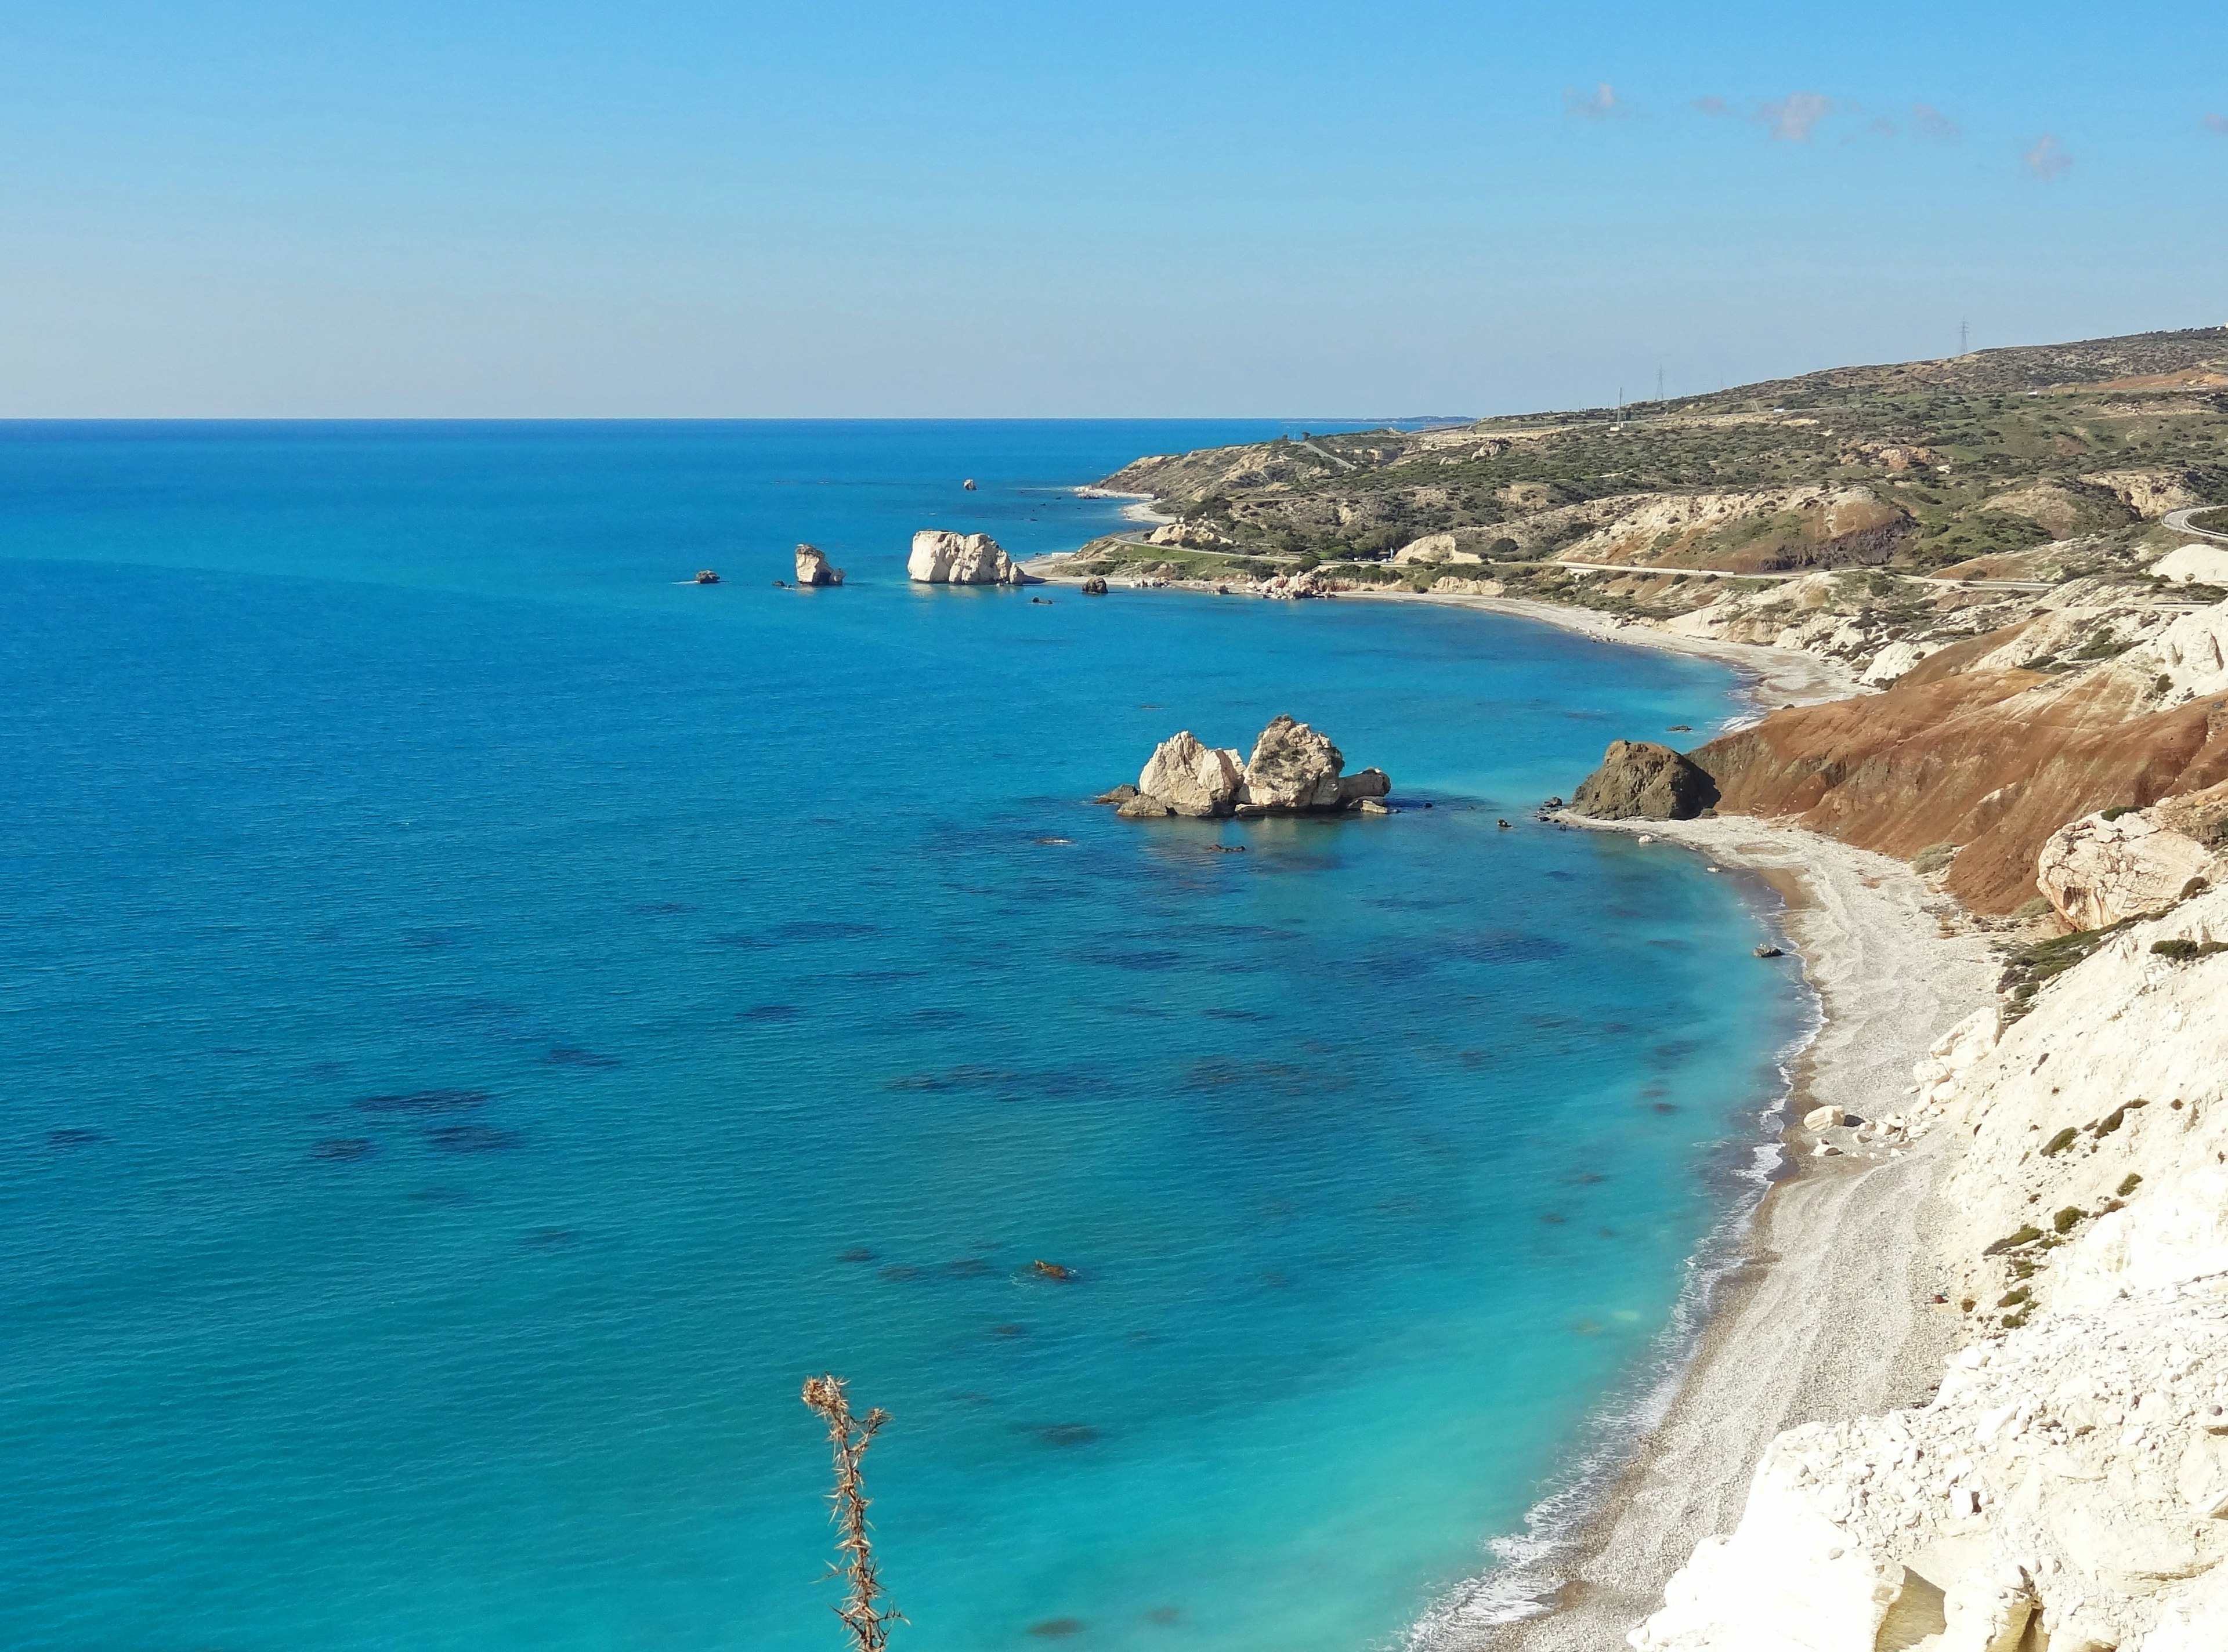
1719 573
2178 522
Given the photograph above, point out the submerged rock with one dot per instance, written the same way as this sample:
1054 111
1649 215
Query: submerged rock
1640 779
944 558
813 567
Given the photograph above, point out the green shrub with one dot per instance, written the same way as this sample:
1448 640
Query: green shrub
2065 1219
2059 1143
2182 952
2117 811
2129 1185
1933 859
2027 1235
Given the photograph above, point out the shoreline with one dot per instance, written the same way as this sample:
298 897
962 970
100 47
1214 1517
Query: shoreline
1812 1307
1817 1313
1770 678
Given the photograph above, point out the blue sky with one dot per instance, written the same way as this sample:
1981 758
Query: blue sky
490 208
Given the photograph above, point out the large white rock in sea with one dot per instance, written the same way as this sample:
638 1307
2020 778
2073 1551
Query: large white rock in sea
813 567
1193 779
1293 770
944 558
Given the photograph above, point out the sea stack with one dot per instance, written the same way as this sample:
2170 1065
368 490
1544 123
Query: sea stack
1639 780
942 559
813 568
1293 770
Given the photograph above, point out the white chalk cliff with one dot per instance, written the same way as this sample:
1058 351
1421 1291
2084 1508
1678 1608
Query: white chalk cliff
2066 1489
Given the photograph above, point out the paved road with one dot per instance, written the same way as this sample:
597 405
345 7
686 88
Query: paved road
2178 522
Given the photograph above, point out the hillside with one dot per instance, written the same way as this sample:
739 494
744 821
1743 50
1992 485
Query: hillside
1983 536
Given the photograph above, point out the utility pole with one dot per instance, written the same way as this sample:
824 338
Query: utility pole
1658 386
1963 324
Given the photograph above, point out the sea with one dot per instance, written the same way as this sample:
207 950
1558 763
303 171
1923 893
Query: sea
483 1017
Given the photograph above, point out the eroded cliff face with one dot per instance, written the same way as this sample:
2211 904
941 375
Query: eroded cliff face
2067 1486
1972 750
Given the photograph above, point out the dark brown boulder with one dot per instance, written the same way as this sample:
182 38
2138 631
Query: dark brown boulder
1641 781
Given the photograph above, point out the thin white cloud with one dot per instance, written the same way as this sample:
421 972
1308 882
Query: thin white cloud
2048 157
1600 104
1791 118
2217 123
1927 121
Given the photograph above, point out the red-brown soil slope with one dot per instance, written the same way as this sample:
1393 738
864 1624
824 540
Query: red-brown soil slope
1994 762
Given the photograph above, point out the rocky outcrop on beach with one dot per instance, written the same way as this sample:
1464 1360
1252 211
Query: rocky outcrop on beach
1639 780
1446 547
2067 1485
2122 864
1293 770
813 567
940 558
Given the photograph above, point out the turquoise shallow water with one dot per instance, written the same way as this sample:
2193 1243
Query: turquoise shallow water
480 1022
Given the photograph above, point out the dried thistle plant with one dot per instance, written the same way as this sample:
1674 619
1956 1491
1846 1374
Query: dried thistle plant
863 1612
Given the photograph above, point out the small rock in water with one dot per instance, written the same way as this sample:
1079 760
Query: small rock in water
1645 837
1503 824
1679 728
1095 586
1055 840
1227 848
1051 1270
1121 793
1769 951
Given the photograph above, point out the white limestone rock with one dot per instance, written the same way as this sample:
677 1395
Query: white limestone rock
1192 779
944 558
2197 564
813 567
1435 548
2073 1464
2096 872
1897 660
1293 769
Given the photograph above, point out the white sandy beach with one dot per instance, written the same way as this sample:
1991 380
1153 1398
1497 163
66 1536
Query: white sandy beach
1823 1317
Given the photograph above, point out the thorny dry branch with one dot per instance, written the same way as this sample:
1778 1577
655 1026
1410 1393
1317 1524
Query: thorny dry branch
863 1612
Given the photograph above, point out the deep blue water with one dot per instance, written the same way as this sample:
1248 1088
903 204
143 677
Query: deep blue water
480 1022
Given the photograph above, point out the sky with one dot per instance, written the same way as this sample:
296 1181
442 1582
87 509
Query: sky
692 208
